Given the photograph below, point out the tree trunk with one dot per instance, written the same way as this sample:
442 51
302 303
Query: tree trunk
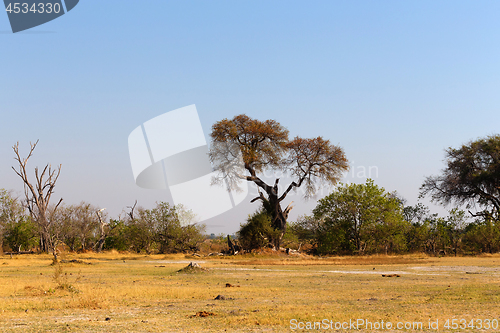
231 245
100 243
54 253
45 242
48 242
279 217
84 241
102 237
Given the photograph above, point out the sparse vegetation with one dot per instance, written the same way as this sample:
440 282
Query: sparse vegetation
353 219
143 288
135 295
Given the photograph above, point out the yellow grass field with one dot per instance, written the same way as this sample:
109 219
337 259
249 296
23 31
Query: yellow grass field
113 292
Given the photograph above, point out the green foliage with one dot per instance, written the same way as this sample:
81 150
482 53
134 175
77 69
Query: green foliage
118 236
16 228
21 235
141 232
433 234
421 221
335 237
10 208
305 231
455 227
360 218
163 229
171 235
482 236
257 232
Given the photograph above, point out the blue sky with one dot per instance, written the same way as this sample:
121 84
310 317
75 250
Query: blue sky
394 83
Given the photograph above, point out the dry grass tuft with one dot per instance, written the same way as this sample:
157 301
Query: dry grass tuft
203 314
343 261
34 291
75 261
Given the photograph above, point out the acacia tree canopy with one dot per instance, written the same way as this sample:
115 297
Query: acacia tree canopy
264 145
471 178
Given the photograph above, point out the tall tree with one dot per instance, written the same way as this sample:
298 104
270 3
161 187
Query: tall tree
38 195
456 223
471 178
360 218
264 145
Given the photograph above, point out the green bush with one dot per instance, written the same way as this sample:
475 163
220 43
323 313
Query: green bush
21 235
257 232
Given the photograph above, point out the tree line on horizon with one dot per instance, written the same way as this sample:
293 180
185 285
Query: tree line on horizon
353 219
364 219
81 227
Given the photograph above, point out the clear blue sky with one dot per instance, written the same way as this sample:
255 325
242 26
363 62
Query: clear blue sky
393 82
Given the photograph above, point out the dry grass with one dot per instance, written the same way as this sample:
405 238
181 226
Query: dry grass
146 294
343 261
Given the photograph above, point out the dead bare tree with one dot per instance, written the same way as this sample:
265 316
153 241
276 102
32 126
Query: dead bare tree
102 231
131 213
38 197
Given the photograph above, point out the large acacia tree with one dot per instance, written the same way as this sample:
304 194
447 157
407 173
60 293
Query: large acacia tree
471 178
243 148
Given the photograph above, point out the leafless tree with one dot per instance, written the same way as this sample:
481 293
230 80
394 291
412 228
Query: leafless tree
102 231
131 213
38 195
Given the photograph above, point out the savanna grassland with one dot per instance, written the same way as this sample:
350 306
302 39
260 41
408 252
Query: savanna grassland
114 292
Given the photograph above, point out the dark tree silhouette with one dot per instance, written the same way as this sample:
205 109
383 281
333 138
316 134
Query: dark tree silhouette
471 178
